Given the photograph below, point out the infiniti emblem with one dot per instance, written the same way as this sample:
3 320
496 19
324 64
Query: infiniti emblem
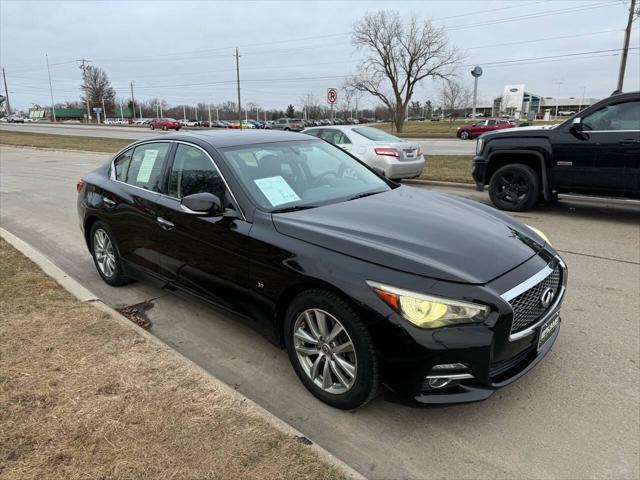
546 297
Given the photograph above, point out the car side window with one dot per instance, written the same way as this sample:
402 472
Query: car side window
194 172
121 165
145 169
491 122
315 132
620 116
334 136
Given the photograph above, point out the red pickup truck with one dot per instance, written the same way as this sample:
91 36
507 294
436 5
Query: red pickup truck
474 130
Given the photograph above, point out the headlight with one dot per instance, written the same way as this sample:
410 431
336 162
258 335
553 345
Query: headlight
540 233
479 145
426 311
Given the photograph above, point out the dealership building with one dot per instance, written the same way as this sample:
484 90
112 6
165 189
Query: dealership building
517 102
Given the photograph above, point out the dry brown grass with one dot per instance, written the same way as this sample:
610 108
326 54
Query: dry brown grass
83 396
448 168
63 142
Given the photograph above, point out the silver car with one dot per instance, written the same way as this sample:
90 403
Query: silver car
398 158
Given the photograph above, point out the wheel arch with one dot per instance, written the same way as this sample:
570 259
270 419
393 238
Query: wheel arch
87 225
530 158
291 292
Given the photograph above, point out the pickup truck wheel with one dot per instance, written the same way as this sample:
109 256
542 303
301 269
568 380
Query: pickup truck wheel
514 188
464 135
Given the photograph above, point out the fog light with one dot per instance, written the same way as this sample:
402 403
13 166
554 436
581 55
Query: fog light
439 382
450 366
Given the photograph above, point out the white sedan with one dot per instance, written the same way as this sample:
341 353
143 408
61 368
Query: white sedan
398 158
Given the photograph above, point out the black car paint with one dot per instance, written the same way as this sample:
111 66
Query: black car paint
256 263
598 163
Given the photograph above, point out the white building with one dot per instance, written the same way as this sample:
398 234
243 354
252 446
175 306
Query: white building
517 102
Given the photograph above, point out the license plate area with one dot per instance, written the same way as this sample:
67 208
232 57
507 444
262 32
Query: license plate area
547 329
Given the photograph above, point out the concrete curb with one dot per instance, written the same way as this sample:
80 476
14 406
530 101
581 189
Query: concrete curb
437 183
84 295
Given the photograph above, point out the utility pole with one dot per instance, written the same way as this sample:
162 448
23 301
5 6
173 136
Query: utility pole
104 111
133 105
53 107
6 92
217 116
209 115
238 82
184 112
86 93
196 110
121 114
625 48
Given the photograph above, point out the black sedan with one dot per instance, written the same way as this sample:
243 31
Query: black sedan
365 282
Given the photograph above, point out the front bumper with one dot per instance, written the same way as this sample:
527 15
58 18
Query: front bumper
493 356
470 391
478 166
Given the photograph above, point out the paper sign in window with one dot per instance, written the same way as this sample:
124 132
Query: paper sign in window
148 161
277 190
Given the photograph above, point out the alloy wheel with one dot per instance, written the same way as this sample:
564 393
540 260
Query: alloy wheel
513 187
103 251
464 135
325 351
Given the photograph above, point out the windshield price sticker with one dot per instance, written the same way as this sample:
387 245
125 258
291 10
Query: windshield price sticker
277 190
148 161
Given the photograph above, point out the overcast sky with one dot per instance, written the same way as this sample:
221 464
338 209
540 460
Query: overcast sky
183 51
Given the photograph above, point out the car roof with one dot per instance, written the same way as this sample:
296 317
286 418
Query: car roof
338 127
231 138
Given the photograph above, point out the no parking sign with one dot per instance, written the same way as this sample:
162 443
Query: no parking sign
332 95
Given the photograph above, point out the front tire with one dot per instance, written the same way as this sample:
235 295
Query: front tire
152 127
514 188
105 255
464 135
331 349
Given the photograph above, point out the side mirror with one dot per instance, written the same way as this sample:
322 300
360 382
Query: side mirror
204 203
577 128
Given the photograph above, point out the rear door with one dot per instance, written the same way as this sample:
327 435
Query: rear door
206 254
131 202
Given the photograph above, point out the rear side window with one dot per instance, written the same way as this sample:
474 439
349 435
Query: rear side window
121 165
334 136
315 132
193 172
145 169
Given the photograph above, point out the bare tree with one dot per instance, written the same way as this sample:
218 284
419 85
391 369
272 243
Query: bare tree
454 96
398 57
311 105
96 88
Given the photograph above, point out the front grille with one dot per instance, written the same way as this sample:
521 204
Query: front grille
527 308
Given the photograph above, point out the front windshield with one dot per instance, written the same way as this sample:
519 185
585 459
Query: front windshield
376 135
300 174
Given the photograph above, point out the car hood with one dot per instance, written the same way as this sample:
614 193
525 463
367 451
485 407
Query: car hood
417 231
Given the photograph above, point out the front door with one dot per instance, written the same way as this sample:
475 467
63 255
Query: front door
600 159
203 253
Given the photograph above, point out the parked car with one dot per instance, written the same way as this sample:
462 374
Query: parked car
474 130
15 119
396 157
293 124
164 124
595 153
364 281
189 123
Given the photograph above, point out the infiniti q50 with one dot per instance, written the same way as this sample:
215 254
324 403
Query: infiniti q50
369 285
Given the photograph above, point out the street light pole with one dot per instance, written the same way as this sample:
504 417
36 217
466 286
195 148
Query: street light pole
209 115
6 92
133 106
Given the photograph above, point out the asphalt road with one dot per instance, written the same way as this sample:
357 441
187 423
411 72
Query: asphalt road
576 415
432 146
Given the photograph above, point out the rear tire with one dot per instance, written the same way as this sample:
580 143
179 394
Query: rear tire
164 127
106 256
331 349
152 127
514 188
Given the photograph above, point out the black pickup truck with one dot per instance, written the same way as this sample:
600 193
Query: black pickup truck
595 152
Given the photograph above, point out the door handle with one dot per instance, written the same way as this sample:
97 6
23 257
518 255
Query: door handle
164 223
108 202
